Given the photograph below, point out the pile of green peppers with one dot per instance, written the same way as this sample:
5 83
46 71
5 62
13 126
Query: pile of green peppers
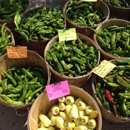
41 24
83 14
8 8
72 58
114 40
21 86
114 89
120 3
5 39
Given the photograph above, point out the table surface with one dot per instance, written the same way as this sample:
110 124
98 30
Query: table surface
13 119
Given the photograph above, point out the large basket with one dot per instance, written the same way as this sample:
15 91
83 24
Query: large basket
32 44
87 30
110 22
33 59
106 114
77 81
43 105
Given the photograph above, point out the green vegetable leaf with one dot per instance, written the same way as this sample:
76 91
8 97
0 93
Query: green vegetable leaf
17 19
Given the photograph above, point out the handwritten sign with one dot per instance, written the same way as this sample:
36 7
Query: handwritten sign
104 68
57 90
17 51
67 34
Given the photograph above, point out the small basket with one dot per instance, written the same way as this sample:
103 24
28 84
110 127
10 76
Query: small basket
110 22
87 30
77 81
33 59
43 105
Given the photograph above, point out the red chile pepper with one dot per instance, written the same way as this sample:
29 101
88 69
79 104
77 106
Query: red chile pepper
109 97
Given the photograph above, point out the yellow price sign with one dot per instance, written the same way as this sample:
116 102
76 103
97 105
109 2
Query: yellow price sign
67 34
104 68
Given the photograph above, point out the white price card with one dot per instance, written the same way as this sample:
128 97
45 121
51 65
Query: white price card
104 68
67 34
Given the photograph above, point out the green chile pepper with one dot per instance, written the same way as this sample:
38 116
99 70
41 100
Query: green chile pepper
11 78
14 89
10 101
27 73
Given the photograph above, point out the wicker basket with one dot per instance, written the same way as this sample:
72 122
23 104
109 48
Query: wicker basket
10 23
77 81
110 22
42 105
118 12
106 114
87 30
33 59
36 45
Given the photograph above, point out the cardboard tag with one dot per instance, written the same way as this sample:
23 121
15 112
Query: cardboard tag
104 68
17 51
58 89
67 34
89 0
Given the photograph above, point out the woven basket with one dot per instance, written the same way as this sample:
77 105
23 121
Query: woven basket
118 12
106 114
43 105
33 59
10 23
36 45
110 22
77 81
87 30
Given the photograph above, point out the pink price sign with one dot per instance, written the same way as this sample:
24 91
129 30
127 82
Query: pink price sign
58 89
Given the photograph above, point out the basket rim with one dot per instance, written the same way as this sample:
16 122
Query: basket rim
66 77
83 27
98 28
71 87
119 118
3 57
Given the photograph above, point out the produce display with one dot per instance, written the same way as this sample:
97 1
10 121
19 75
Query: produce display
40 24
5 39
119 3
72 58
114 90
20 86
69 113
83 13
114 40
8 8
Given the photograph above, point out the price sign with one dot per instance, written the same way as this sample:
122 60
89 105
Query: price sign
104 68
67 34
17 51
57 90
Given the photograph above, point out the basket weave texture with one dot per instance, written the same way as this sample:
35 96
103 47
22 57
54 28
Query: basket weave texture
77 81
33 59
43 105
